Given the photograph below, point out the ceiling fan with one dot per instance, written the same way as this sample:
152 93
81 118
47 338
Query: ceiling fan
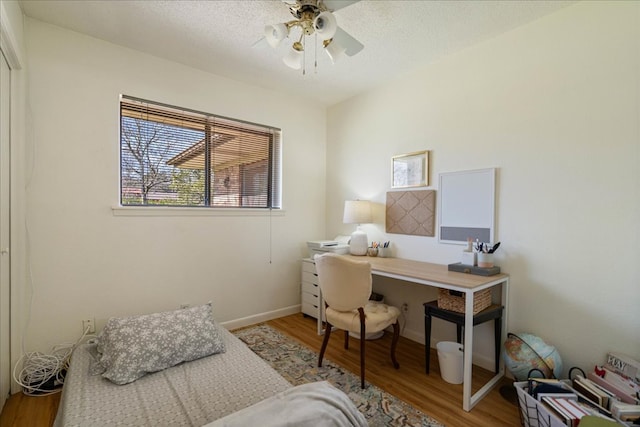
313 17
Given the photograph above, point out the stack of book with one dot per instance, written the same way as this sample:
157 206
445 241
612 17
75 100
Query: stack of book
614 387
594 392
566 408
565 403
628 414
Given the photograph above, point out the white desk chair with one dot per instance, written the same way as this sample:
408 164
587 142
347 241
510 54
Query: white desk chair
346 287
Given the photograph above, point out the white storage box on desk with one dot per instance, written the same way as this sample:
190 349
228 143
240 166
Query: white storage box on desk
532 412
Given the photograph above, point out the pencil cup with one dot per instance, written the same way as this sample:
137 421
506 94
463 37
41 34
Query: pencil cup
372 252
485 260
384 252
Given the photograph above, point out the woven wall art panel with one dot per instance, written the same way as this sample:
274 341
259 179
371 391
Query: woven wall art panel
411 212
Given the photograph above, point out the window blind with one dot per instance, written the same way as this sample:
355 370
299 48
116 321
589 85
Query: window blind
172 156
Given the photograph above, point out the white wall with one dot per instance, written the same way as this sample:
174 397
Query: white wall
86 262
555 106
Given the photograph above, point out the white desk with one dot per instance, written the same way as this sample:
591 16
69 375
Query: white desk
437 275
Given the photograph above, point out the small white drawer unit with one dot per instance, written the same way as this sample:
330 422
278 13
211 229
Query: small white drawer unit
311 299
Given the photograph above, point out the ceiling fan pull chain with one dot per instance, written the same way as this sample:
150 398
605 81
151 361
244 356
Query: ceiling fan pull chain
304 55
315 54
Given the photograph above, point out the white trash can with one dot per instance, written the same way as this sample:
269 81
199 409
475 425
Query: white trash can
451 358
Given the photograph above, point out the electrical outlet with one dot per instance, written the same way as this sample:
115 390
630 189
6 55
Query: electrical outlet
405 308
89 326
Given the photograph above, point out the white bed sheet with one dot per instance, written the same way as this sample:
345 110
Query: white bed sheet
190 394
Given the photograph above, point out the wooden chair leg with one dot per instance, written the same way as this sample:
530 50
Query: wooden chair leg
394 343
325 341
362 342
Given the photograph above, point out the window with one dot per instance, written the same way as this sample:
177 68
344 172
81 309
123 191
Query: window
171 156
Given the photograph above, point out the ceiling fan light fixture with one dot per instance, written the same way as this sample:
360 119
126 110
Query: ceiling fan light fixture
313 18
325 25
334 49
275 34
295 56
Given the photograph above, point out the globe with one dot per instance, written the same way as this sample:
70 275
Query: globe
523 352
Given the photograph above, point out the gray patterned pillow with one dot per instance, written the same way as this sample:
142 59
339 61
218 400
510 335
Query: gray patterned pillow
132 347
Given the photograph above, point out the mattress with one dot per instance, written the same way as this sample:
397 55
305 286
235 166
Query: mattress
190 394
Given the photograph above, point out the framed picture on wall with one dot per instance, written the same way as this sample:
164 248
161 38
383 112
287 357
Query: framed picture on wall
410 170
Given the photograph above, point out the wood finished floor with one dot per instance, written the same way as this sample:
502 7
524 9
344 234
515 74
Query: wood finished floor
430 393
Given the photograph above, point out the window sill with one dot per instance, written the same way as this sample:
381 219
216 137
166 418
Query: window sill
180 211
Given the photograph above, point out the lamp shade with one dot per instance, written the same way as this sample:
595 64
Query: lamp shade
325 25
334 50
357 212
275 34
294 58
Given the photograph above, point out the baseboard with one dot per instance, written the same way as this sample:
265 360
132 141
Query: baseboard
260 317
413 335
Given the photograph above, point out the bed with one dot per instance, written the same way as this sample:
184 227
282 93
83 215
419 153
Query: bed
228 388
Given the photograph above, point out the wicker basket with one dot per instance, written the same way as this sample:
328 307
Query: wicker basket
454 301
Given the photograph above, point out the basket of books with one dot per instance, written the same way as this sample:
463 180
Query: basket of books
607 396
554 403
455 301
614 386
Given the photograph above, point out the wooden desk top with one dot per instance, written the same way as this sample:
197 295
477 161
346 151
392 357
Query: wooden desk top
426 271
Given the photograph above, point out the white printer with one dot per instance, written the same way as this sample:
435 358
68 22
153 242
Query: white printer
337 246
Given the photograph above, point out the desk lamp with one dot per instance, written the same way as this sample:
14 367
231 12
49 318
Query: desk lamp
357 212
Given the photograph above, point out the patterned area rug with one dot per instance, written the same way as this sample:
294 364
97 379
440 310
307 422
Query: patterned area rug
298 365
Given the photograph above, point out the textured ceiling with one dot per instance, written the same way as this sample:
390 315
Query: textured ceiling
220 36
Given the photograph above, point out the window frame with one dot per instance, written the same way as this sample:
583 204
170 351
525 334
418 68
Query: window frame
207 122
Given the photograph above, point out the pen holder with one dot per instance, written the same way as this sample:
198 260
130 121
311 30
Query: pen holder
485 260
372 252
384 252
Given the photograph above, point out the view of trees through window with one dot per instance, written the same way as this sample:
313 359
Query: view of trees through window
164 159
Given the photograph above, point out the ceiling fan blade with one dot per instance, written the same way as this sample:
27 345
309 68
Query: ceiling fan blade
351 45
338 4
260 43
